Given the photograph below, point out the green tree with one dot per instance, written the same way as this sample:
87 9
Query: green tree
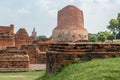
41 37
118 36
111 37
101 37
113 26
92 38
106 33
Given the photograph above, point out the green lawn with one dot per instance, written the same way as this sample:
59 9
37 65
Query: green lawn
21 75
97 69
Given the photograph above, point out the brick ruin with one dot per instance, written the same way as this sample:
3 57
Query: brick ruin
68 45
34 54
70 25
61 54
37 51
12 59
70 42
7 36
22 38
24 56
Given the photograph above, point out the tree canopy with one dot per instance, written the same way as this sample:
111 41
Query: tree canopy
92 38
114 25
101 36
41 37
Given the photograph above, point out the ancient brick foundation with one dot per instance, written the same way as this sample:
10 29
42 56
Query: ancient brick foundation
61 54
14 60
37 53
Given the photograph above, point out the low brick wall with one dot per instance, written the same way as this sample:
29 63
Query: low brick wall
43 47
35 54
14 60
61 54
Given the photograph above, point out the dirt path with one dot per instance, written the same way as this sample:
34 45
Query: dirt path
37 66
13 76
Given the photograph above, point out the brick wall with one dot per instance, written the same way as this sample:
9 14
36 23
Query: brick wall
7 36
35 54
14 60
7 42
61 54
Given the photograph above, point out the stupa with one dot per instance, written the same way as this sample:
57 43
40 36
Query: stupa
70 25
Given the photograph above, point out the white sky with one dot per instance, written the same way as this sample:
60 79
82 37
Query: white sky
42 14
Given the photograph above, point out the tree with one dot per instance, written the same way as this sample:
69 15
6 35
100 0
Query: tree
92 38
118 36
106 33
101 37
113 26
111 37
41 37
118 19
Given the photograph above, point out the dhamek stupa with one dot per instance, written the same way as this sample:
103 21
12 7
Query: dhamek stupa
70 25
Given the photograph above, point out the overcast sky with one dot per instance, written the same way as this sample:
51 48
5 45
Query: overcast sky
42 14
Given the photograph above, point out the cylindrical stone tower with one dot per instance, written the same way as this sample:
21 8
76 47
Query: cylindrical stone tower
70 25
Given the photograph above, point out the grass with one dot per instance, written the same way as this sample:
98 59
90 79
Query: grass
21 75
96 69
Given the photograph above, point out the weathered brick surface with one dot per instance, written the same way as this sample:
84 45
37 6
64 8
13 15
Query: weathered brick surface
22 38
7 36
13 60
61 54
35 54
70 25
43 47
43 44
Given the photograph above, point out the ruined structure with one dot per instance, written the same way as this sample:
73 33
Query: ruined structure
9 41
70 25
13 60
7 36
37 51
61 54
67 49
22 38
43 44
33 52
